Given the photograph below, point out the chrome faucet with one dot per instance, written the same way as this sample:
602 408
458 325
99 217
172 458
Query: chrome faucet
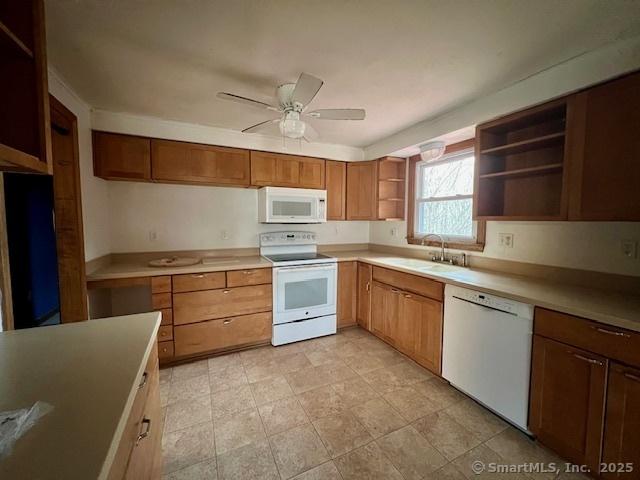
441 259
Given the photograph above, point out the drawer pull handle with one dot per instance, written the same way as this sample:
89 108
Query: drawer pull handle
406 295
144 434
248 272
143 382
225 291
611 332
368 287
198 276
163 334
393 290
633 377
226 322
592 361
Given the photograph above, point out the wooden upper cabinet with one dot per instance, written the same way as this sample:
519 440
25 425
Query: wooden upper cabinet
605 152
363 313
278 170
347 293
194 163
121 157
25 137
567 400
362 190
336 174
622 427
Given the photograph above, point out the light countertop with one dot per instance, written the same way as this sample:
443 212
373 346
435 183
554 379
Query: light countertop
88 372
612 308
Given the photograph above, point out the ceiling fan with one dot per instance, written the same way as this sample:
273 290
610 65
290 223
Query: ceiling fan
292 102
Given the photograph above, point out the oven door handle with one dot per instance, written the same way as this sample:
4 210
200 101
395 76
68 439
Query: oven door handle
305 268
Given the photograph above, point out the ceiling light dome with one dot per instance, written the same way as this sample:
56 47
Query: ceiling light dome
432 151
291 126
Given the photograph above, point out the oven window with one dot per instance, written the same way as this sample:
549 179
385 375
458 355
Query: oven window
291 209
306 293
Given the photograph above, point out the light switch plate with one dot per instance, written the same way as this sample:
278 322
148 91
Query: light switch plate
629 248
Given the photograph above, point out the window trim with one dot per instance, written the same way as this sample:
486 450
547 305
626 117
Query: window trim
450 242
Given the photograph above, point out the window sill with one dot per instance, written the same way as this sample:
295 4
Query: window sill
470 247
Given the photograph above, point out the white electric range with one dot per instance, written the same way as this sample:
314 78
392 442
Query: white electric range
304 286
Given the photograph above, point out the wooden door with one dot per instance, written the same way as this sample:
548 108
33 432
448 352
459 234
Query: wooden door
287 171
194 163
263 168
121 157
404 325
336 177
385 310
362 190
622 426
426 316
277 170
363 314
68 214
312 173
604 148
567 400
347 293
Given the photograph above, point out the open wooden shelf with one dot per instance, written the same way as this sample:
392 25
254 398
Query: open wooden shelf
392 173
523 172
20 161
8 40
526 145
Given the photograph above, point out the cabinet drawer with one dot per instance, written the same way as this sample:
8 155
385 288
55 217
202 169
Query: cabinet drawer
165 350
411 283
198 281
229 302
612 342
160 301
222 333
167 316
241 278
161 284
165 333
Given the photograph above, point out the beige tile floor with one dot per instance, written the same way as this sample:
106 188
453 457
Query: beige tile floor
346 406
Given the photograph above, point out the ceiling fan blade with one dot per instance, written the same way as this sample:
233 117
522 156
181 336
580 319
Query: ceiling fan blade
310 134
260 126
246 101
306 88
338 114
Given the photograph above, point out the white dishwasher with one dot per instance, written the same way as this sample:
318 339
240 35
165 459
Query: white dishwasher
486 350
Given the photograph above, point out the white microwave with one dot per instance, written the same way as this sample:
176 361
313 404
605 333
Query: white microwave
292 205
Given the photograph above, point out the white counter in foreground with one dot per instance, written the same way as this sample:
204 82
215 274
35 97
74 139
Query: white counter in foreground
88 372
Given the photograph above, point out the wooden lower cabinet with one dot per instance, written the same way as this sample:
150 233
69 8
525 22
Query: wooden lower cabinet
222 334
622 429
363 310
426 316
347 293
139 453
385 308
568 388
222 303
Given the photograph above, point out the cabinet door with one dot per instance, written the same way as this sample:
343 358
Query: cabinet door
312 173
263 168
277 170
347 293
336 175
361 190
385 310
604 148
194 163
364 295
622 427
425 315
121 157
567 400
404 326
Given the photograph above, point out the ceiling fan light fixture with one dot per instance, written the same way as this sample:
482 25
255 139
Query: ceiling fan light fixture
432 151
291 126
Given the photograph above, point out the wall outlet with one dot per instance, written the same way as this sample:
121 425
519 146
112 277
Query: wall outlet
394 232
153 235
629 248
224 235
505 240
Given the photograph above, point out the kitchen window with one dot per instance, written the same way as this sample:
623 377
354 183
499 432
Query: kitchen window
443 199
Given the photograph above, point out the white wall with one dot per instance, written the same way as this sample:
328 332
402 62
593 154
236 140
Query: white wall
186 217
581 245
95 214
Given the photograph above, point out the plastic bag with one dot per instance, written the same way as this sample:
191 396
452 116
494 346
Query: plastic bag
13 424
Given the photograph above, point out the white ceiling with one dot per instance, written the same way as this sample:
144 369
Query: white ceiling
404 61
